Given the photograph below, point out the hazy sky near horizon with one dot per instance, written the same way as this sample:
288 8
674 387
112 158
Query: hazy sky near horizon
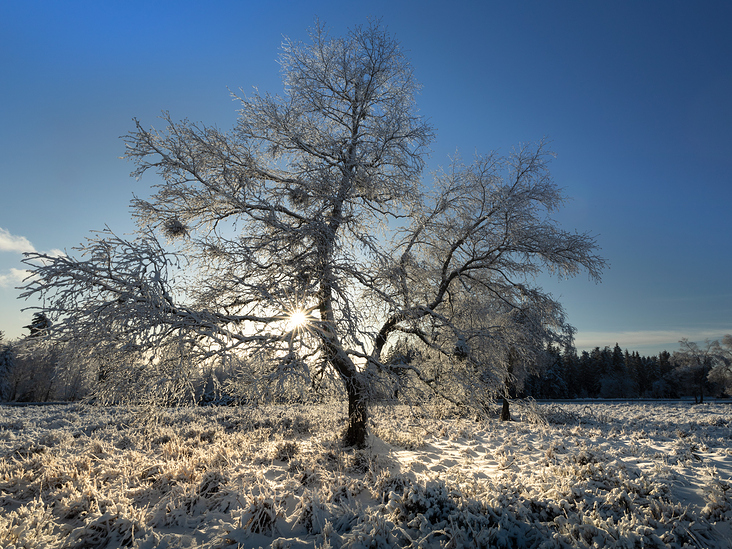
636 98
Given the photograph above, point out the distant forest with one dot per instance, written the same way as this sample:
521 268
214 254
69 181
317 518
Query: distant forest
32 370
617 373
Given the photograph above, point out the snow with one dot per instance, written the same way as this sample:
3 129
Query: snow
623 474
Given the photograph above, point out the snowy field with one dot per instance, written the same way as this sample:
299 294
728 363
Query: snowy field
562 475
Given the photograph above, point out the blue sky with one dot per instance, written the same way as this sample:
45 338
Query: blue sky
635 97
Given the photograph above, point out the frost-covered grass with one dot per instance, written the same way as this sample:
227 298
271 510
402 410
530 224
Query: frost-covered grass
569 475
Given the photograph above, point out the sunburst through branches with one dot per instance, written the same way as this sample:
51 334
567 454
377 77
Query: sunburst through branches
297 320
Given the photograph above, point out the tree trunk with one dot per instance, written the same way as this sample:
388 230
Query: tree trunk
505 414
356 434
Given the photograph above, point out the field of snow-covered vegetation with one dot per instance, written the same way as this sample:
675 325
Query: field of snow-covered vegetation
561 475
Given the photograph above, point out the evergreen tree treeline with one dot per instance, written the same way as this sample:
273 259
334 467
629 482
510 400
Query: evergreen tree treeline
609 373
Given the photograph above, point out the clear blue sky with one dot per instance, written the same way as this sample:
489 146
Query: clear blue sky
635 96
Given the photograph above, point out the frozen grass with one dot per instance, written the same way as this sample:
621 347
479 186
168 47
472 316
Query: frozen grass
599 475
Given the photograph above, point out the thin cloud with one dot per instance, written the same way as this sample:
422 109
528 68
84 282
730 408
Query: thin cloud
13 277
19 244
12 243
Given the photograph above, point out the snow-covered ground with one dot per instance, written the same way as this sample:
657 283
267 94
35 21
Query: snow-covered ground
562 475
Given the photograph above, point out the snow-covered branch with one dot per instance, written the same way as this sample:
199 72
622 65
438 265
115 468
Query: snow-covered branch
313 207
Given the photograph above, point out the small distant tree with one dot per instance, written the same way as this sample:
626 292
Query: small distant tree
693 362
643 371
39 326
28 369
570 360
585 376
305 242
617 381
597 367
7 359
721 372
554 385
664 383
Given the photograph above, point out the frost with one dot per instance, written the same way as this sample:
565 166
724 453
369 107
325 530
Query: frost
316 202
214 477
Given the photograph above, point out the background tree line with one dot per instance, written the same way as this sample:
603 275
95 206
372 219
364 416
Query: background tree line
693 370
32 369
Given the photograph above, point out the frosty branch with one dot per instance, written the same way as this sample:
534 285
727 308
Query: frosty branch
315 202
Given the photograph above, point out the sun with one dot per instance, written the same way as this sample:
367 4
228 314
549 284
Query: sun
297 319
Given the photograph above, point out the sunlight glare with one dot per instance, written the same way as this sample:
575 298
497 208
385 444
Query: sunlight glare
298 319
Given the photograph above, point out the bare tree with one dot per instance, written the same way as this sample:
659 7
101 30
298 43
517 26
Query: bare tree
693 363
721 372
305 243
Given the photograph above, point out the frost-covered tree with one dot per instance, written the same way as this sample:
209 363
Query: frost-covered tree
304 243
39 326
7 359
721 372
693 363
